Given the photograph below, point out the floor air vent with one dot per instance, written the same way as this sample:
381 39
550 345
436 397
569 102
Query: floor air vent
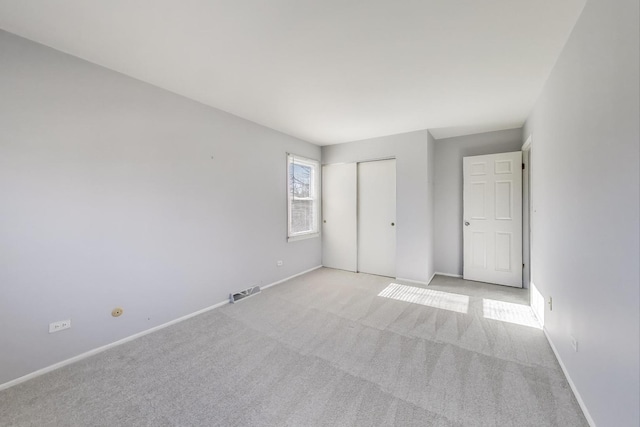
244 294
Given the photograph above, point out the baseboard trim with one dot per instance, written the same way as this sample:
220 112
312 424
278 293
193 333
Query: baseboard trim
419 282
291 277
106 347
585 411
432 276
439 273
97 350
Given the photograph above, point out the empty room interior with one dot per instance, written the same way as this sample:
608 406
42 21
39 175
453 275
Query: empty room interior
305 213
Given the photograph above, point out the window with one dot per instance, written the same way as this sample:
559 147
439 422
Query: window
302 190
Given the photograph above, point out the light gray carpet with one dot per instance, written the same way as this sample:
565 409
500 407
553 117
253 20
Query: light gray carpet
320 350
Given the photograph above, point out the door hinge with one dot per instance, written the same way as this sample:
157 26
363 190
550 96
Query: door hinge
522 265
523 166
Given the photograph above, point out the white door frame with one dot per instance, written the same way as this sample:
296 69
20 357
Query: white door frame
536 300
527 211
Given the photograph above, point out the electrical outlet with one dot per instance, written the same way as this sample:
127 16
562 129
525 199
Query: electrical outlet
59 325
574 343
279 263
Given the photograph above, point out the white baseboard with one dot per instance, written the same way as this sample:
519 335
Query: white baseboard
106 347
412 281
127 339
571 384
431 278
420 282
448 274
290 277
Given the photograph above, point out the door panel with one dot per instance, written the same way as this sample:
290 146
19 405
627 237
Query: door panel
492 226
477 204
377 217
479 250
339 216
503 251
504 200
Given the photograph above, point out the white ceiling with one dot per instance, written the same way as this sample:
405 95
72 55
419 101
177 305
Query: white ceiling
326 71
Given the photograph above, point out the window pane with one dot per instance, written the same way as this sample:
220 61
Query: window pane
302 191
302 216
300 180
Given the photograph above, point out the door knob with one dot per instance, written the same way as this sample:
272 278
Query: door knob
466 223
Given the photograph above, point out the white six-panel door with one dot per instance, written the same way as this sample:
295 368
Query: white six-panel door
339 216
492 218
377 217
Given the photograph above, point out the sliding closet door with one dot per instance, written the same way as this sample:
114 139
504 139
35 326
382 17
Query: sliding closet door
339 216
377 217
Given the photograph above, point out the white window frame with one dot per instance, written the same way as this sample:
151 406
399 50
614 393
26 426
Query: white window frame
314 189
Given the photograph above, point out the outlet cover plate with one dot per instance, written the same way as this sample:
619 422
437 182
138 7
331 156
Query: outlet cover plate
59 326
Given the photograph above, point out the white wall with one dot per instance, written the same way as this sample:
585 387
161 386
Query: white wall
117 193
414 226
431 203
586 151
448 189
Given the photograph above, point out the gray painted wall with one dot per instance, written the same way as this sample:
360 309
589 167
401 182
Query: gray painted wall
586 151
414 253
431 202
117 193
448 190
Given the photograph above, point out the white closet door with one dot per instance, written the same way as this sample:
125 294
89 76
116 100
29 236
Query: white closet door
377 217
339 216
492 219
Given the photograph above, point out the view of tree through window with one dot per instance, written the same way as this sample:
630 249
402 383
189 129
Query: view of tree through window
302 196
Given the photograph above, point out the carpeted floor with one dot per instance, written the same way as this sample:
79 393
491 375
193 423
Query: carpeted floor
322 349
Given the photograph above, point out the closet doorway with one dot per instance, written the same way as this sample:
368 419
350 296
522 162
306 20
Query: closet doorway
359 217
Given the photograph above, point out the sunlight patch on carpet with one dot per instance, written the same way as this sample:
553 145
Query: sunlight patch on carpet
428 297
509 312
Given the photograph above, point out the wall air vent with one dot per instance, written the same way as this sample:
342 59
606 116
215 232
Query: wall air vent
239 296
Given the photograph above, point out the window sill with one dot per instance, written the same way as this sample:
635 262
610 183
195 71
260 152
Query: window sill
303 237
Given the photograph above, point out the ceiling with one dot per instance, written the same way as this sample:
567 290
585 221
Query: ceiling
326 71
